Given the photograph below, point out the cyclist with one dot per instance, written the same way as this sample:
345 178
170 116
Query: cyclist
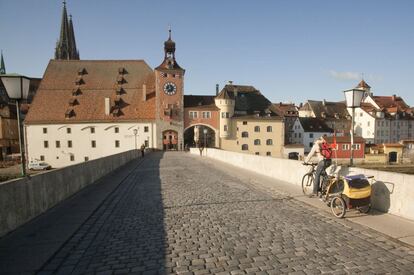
324 153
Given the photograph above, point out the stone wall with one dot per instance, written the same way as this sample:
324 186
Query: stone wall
23 199
391 192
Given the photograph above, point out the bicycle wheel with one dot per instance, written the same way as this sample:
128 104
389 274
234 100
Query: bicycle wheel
338 207
364 209
307 184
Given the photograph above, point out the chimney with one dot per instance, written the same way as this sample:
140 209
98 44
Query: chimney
217 89
107 106
394 97
144 92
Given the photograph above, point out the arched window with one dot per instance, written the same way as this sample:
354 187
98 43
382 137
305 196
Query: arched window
245 134
245 147
269 142
225 128
269 128
257 142
257 128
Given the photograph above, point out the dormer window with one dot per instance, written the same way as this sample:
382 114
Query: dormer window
69 113
120 79
73 102
76 91
82 71
79 80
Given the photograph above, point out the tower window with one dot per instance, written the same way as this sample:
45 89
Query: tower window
245 147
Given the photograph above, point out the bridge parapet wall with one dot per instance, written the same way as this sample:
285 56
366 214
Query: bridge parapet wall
23 199
391 192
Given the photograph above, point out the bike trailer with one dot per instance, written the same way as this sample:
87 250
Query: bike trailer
357 191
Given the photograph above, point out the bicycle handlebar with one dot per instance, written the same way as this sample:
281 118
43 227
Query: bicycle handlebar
309 163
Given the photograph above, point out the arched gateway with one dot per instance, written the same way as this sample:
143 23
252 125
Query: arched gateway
199 135
170 140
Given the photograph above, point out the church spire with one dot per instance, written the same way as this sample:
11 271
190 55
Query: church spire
66 46
2 67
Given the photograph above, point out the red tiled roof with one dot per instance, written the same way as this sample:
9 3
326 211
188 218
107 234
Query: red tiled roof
99 82
390 101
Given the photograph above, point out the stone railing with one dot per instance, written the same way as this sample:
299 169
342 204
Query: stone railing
391 192
23 199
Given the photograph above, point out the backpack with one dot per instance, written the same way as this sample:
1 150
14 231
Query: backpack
326 151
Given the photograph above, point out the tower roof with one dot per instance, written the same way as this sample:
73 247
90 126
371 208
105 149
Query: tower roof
66 45
169 62
2 67
363 84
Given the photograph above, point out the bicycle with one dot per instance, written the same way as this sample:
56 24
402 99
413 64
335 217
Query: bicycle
309 178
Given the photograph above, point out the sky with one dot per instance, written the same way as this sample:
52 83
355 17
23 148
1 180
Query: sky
291 51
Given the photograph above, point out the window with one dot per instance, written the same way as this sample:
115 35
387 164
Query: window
93 143
72 157
68 130
42 158
146 144
269 129
225 128
193 114
357 146
116 129
57 144
268 153
206 114
245 147
244 122
299 135
44 130
86 158
245 134
227 115
116 143
46 144
310 144
92 130
146 129
257 128
257 142
295 135
69 143
257 153
311 135
368 123
345 147
269 142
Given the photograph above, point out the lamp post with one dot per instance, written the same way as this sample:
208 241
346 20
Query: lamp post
135 134
17 88
353 99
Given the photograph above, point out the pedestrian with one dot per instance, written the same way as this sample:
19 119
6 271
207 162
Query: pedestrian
142 150
323 153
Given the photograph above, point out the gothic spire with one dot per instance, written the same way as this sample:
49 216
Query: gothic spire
66 46
2 67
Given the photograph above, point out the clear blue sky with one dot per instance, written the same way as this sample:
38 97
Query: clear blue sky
290 50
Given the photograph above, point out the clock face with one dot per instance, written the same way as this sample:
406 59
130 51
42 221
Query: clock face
170 88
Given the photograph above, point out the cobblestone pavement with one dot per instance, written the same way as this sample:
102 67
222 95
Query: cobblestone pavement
177 214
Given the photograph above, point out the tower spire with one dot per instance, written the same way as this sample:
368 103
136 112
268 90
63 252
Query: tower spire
2 67
66 46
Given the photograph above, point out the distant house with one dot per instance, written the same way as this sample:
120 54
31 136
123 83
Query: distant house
334 114
289 112
343 147
307 129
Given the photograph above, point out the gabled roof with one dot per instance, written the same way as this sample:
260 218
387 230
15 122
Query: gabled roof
285 109
390 101
326 109
99 81
204 101
311 124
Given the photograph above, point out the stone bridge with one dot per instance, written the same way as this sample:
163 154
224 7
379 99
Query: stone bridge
176 213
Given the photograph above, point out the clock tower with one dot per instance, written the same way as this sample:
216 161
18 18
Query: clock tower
169 86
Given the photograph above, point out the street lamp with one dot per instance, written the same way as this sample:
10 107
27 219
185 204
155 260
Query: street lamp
353 99
17 88
135 134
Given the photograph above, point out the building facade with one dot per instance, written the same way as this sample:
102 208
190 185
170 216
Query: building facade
307 129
